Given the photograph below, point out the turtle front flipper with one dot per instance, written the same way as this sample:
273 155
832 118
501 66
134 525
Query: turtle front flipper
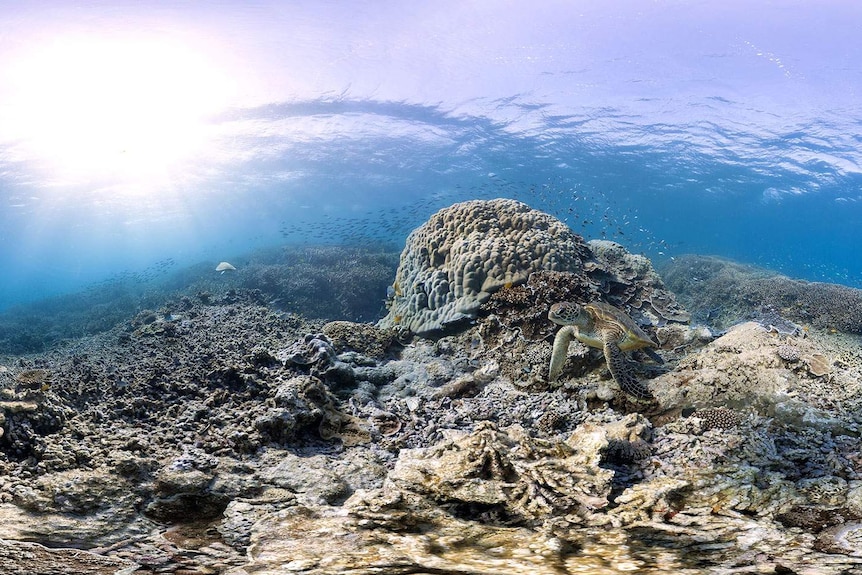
653 355
622 373
561 349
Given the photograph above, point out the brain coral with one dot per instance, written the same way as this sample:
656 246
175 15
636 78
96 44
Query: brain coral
454 262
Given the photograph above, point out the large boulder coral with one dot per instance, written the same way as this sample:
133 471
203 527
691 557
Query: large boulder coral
468 252
464 253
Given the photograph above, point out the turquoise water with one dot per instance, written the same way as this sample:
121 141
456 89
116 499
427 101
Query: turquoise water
669 127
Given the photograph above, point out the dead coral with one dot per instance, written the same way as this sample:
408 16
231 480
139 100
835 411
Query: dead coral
313 349
844 539
525 307
629 279
818 364
515 478
739 369
33 378
300 404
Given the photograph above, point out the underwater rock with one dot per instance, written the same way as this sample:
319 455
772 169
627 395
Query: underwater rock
742 374
364 338
512 478
182 490
366 536
321 479
629 280
741 369
313 349
845 538
854 498
26 418
301 403
240 515
448 507
95 507
653 499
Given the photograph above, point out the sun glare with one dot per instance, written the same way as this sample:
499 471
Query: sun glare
116 108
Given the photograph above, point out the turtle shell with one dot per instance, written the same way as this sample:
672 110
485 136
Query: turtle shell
608 317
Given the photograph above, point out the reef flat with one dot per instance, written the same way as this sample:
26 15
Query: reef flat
221 432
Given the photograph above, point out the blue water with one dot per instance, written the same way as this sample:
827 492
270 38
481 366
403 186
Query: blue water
670 127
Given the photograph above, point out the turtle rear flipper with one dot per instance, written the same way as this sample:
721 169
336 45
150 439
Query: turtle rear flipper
622 373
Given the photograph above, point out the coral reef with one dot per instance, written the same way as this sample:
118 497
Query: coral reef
20 558
217 433
508 477
321 282
454 262
630 279
513 325
721 293
466 253
754 369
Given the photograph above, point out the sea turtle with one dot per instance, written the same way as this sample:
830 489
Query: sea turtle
606 327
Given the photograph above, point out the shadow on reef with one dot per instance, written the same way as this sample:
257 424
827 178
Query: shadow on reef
320 282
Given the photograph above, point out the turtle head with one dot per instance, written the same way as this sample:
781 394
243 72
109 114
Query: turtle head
569 313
